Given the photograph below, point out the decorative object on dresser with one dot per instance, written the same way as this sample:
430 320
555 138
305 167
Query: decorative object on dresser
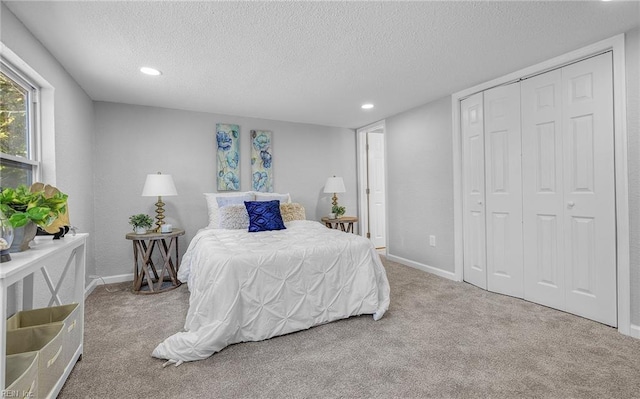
261 161
228 156
6 238
143 265
29 207
141 223
161 186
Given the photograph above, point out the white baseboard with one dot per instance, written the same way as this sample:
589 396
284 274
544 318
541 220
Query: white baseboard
106 280
634 331
423 267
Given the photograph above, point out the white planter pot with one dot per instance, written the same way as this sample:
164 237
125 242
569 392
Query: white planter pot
140 230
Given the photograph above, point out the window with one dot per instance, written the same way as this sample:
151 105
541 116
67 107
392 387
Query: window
19 161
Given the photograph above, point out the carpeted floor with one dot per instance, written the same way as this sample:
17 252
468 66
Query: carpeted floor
439 339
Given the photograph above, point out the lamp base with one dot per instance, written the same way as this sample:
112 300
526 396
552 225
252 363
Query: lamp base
159 215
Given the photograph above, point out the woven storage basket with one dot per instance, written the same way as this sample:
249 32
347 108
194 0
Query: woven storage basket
47 341
66 314
21 376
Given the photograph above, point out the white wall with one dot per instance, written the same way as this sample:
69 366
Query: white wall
74 124
133 141
420 185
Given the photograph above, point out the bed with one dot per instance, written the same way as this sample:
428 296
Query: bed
251 286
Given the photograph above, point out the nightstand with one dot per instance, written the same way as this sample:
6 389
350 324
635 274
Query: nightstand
143 266
344 223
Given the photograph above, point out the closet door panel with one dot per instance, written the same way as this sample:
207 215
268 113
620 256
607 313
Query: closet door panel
503 190
472 122
590 233
542 183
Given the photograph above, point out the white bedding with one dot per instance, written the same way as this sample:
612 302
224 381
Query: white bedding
253 286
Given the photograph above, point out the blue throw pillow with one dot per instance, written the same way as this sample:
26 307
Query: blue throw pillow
264 215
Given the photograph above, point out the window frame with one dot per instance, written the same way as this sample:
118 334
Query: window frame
34 134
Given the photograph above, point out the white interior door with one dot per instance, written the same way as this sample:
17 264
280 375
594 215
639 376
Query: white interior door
377 217
590 231
472 125
503 190
543 188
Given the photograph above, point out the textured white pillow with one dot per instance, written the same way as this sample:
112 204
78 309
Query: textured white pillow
212 205
233 217
283 198
292 211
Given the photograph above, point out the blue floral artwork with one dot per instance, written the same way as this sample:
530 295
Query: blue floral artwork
228 154
261 161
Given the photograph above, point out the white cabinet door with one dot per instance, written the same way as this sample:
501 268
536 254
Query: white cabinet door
472 115
503 189
590 231
543 188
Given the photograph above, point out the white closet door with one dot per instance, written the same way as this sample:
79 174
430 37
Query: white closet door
473 186
590 233
542 184
503 190
376 186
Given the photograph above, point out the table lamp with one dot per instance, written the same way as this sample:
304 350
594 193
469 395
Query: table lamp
159 185
334 185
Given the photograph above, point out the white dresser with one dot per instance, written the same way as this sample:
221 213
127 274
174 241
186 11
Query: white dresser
61 265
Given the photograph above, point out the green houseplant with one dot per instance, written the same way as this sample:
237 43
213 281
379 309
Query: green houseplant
22 205
26 208
140 223
338 210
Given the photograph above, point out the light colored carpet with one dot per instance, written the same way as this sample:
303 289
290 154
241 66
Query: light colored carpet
439 339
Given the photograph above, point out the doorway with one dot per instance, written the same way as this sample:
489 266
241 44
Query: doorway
371 183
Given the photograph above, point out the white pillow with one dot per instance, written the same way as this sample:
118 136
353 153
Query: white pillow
234 217
283 198
212 205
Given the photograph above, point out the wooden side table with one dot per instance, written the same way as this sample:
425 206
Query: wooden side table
143 266
344 223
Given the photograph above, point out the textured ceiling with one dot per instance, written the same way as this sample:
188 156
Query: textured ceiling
311 62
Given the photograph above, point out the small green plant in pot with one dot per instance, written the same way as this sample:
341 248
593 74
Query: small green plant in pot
338 210
26 208
140 222
22 205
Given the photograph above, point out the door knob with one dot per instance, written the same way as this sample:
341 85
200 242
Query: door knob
570 204
479 202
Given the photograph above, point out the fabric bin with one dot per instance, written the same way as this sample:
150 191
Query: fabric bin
67 314
47 340
21 375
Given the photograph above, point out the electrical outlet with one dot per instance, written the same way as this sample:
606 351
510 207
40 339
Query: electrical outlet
432 241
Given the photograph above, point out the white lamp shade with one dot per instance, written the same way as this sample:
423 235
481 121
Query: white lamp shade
159 185
334 185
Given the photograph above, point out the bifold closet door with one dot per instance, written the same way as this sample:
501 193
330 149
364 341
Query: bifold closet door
568 189
472 116
543 188
589 225
503 190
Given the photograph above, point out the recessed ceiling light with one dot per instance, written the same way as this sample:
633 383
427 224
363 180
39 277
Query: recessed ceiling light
150 71
367 106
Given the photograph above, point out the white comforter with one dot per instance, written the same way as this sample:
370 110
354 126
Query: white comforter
253 286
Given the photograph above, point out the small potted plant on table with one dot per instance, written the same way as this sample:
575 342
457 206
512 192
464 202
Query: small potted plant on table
140 222
338 210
